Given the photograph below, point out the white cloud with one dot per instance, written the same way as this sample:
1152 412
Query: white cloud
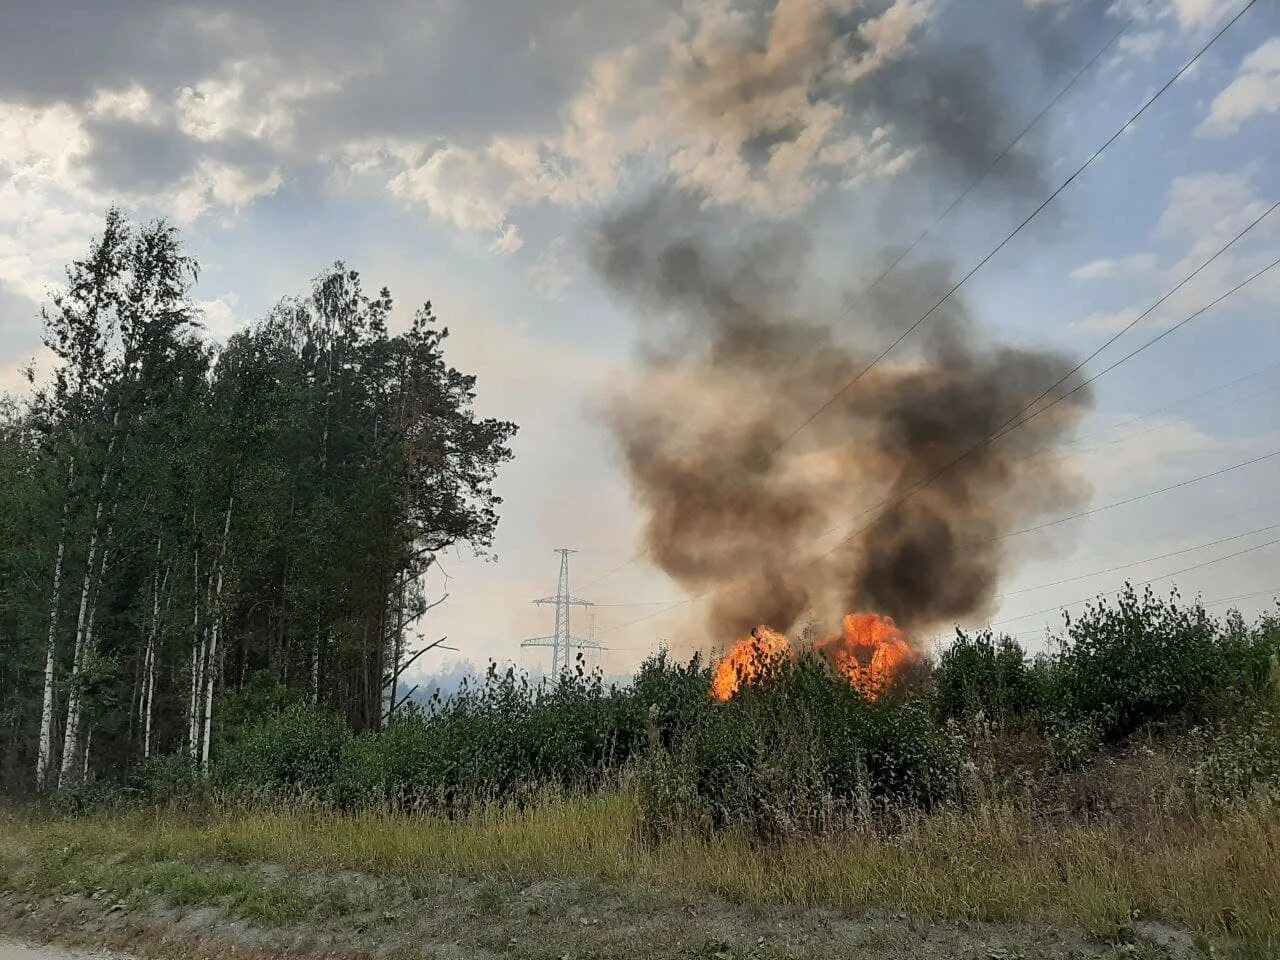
1208 209
131 103
218 317
1254 91
50 205
507 242
1144 458
1110 321
1143 45
1107 268
548 275
1197 14
220 185
761 127
251 98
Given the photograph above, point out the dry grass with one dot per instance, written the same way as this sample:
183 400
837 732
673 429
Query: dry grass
1214 875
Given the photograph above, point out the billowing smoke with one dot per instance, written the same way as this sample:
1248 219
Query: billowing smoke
739 350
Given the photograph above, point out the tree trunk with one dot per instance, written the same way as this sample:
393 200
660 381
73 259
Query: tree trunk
315 668
84 646
215 617
149 669
197 656
44 759
84 620
397 653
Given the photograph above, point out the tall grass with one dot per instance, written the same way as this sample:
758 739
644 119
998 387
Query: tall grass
1217 874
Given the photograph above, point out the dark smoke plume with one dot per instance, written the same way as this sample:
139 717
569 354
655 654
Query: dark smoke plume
738 352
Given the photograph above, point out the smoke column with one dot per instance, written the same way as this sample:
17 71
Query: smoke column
738 351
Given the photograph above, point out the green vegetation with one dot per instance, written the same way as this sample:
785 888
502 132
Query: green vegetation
192 531
221 690
1117 778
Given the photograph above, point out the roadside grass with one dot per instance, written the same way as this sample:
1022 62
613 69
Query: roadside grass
1216 875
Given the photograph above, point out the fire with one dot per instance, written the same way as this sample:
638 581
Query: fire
871 651
745 660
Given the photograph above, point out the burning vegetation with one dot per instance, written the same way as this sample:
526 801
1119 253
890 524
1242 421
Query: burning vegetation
869 650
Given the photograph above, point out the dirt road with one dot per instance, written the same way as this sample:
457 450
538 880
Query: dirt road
11 950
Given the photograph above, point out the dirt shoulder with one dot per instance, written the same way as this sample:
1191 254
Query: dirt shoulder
215 910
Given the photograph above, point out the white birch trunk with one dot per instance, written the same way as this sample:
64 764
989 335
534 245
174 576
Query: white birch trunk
84 620
75 704
149 668
215 616
44 759
197 658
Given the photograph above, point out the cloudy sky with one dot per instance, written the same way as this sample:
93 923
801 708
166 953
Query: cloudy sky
467 151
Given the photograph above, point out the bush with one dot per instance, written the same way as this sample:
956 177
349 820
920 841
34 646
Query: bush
983 674
1140 661
1237 760
296 752
801 753
166 779
507 740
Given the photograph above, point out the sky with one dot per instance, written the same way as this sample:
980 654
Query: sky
467 152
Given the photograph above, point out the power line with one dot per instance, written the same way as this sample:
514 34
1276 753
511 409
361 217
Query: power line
1143 583
960 198
1119 440
1274 592
955 202
1000 246
1172 404
1160 336
1154 429
1017 230
1042 526
955 287
1136 563
924 482
1134 499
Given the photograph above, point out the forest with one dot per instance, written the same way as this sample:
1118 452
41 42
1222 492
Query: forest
184 519
212 556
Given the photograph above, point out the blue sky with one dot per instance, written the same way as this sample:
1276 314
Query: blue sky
465 152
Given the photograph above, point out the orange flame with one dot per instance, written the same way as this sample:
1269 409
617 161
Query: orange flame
871 651
744 662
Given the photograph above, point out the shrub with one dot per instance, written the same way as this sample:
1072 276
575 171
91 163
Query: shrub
1237 760
507 740
981 673
1140 661
801 753
297 751
166 779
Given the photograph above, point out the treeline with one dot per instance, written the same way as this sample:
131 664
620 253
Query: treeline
179 517
1145 700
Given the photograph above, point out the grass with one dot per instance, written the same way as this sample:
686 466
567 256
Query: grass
1214 875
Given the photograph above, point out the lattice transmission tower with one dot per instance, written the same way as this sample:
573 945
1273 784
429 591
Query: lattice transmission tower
564 645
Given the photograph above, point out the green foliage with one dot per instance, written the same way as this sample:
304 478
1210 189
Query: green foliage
1237 759
801 752
287 490
502 740
166 779
1142 660
987 675
297 752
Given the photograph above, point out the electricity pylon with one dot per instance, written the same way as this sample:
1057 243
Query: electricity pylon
562 643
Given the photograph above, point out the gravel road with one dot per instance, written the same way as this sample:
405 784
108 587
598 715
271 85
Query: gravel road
11 950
